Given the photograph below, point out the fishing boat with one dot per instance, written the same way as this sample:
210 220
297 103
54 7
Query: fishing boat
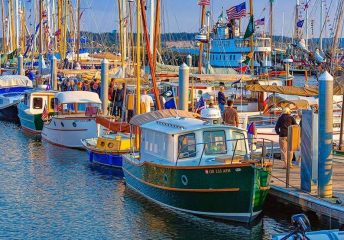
75 121
31 108
194 166
108 148
12 88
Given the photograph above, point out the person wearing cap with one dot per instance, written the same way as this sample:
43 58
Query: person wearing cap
281 128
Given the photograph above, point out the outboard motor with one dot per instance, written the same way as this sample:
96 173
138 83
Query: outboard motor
301 225
211 115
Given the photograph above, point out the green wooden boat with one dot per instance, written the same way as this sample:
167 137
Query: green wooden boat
190 165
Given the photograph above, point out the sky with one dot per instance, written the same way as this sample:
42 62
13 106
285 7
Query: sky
184 15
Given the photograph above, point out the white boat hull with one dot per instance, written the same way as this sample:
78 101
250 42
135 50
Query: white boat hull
68 132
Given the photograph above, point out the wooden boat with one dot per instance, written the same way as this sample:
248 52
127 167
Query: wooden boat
193 166
76 121
31 108
108 149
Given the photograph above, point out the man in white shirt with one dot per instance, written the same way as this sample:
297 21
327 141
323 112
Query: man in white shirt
147 101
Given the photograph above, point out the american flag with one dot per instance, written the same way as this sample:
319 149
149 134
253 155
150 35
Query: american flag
237 11
260 22
45 113
204 2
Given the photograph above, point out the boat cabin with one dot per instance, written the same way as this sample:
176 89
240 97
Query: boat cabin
81 103
189 141
36 100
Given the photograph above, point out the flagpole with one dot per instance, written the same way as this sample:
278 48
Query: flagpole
271 9
252 39
200 61
78 34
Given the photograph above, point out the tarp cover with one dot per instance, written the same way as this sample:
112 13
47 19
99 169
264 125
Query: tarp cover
300 91
15 81
78 97
110 123
138 120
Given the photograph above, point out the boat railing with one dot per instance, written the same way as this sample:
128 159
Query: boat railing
263 152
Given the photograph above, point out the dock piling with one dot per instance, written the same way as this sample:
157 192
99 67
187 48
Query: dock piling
53 73
104 85
325 135
184 72
20 66
189 60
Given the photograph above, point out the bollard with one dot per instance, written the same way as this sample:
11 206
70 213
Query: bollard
53 73
20 66
189 60
184 87
325 135
105 85
40 64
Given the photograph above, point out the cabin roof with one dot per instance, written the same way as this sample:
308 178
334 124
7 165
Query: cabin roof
176 125
78 97
15 81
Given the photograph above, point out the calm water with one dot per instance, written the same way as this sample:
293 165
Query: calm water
48 192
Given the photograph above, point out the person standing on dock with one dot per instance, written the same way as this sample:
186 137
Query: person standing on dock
221 98
281 128
230 116
146 101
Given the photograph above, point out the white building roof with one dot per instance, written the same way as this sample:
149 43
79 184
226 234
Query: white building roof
176 125
15 81
78 97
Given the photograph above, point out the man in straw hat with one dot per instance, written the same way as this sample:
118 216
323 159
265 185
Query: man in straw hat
281 128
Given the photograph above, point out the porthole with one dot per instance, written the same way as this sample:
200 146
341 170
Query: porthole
62 124
74 124
102 144
110 145
184 180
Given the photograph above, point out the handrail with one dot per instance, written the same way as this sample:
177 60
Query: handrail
271 155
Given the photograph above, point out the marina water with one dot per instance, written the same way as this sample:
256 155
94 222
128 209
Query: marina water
49 192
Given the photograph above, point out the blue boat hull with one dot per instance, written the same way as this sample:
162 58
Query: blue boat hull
106 159
9 113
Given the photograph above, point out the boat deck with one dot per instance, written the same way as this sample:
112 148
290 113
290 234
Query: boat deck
333 208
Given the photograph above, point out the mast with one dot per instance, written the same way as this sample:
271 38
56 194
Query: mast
121 39
252 39
321 25
156 33
124 16
40 43
131 31
17 23
307 23
200 61
138 57
152 26
208 37
3 26
78 33
296 30
271 19
23 30
150 60
13 31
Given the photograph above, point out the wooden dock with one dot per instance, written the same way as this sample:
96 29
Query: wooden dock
333 208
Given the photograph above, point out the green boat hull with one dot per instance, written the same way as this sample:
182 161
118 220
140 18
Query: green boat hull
30 122
234 192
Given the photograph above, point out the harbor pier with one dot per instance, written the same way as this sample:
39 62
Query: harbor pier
329 207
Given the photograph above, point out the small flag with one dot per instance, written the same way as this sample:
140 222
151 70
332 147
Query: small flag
236 12
236 82
242 69
220 18
252 128
249 56
204 2
299 24
260 22
45 114
250 28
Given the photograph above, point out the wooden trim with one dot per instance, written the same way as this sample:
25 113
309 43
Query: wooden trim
264 188
183 189
233 165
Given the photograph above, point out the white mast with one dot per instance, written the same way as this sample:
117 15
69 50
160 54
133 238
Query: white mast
125 23
17 17
321 24
306 40
151 26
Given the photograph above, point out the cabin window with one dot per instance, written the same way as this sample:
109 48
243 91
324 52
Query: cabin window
238 145
214 142
52 103
187 146
37 103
